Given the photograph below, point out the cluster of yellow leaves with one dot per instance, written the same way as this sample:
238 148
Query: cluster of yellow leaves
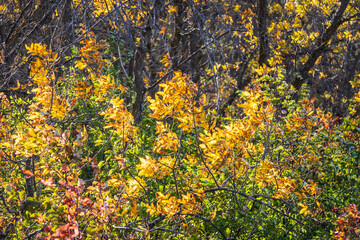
103 6
169 205
122 120
304 209
166 61
301 121
172 9
225 147
176 99
90 54
148 167
268 174
134 188
161 167
38 50
4 123
100 6
97 84
43 75
2 8
257 108
104 85
132 11
166 141
82 89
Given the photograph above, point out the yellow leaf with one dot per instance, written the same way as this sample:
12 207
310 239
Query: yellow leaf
114 183
31 132
172 9
88 89
213 215
303 210
81 65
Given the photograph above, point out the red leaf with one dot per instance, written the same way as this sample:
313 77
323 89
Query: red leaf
64 230
48 228
87 201
65 167
81 182
48 183
76 232
67 201
62 182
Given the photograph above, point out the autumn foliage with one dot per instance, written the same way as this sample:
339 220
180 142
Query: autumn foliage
182 120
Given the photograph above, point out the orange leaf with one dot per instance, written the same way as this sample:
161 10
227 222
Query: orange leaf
28 173
17 86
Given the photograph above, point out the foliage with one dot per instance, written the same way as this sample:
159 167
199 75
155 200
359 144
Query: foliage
183 130
347 226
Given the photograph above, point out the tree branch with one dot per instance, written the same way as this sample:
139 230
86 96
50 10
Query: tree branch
321 44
